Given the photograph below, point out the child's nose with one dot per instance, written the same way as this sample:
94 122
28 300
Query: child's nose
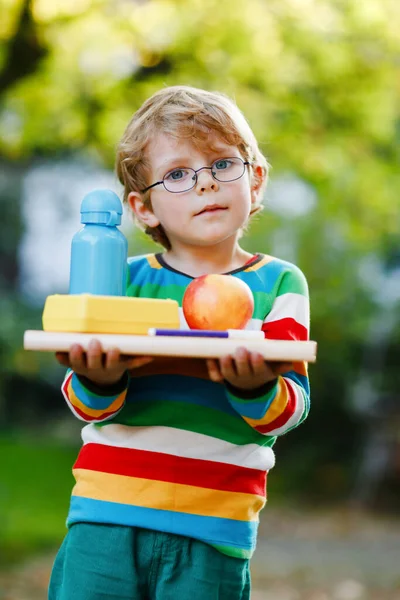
206 182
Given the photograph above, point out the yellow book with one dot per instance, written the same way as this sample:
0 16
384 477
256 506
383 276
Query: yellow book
88 313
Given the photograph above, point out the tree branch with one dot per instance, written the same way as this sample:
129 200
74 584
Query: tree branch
24 51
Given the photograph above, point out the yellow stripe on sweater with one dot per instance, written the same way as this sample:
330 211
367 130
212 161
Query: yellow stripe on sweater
301 368
153 262
163 495
276 408
264 261
91 412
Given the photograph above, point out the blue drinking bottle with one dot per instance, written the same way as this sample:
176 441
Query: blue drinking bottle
99 250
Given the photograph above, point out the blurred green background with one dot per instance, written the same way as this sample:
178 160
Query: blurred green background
319 82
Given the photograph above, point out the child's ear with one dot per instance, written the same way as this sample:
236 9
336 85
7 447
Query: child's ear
142 212
257 180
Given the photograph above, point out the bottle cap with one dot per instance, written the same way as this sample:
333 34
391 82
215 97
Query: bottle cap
102 207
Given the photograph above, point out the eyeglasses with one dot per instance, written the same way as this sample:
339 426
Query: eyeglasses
185 179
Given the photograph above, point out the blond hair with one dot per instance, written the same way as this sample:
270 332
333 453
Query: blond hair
183 112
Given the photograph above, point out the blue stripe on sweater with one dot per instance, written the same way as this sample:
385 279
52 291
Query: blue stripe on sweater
180 388
212 530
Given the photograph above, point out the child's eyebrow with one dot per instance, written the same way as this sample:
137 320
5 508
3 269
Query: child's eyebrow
173 162
182 161
167 165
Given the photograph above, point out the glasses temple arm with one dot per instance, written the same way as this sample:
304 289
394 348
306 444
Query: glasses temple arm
151 186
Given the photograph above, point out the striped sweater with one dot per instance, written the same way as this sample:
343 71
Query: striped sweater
172 451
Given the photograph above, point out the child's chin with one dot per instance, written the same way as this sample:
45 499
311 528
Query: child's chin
219 231
212 240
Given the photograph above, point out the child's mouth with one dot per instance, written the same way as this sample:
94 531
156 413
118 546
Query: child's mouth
212 209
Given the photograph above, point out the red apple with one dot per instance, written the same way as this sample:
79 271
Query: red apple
217 302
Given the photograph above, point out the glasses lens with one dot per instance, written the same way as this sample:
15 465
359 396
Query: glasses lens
227 169
180 180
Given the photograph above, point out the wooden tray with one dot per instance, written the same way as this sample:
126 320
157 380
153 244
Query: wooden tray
274 350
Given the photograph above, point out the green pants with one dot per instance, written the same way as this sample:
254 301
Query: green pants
107 562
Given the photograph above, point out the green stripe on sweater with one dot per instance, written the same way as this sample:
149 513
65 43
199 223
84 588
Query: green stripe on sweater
152 290
293 282
189 417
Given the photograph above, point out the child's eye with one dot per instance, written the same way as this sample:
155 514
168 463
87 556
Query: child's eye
176 175
222 164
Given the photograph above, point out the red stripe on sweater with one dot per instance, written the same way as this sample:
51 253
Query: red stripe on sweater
174 469
283 417
78 411
285 329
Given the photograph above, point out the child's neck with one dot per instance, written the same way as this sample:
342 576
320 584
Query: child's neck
197 261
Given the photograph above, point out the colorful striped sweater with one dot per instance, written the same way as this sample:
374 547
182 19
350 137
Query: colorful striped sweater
171 450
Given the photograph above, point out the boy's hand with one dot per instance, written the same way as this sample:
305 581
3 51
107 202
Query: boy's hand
102 368
246 370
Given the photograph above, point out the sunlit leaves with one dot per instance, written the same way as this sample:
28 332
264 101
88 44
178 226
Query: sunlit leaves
317 79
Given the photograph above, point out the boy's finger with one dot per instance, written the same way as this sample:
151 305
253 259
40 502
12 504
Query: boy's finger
94 355
258 364
112 358
282 367
138 361
63 358
77 358
214 372
227 367
242 362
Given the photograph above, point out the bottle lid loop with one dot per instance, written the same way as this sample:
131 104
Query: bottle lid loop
101 207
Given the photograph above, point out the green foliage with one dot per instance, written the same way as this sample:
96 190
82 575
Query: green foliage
34 495
318 81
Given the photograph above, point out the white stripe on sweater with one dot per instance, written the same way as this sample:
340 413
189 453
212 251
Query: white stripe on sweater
74 411
180 442
298 390
293 306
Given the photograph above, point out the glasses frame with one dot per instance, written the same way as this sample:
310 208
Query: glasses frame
195 178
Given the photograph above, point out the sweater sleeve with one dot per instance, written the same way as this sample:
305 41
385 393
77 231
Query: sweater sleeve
284 403
91 403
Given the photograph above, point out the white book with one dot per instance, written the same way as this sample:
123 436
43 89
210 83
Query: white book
147 345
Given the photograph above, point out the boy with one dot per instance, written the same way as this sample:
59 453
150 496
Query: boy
172 473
